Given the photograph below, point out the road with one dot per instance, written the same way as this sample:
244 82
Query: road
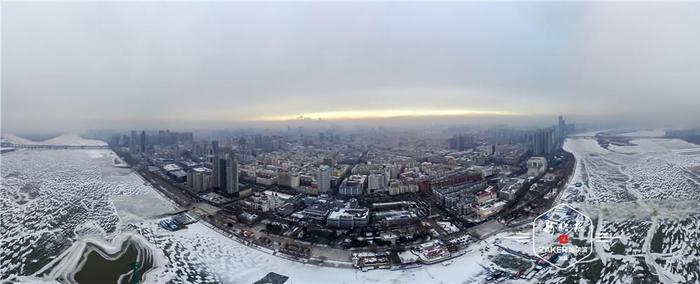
54 146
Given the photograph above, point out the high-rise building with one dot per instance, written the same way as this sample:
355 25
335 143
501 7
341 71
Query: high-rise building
562 123
199 179
562 129
570 128
143 142
387 175
324 178
219 174
461 142
133 144
537 142
375 183
232 174
212 151
548 141
330 160
542 143
288 179
257 141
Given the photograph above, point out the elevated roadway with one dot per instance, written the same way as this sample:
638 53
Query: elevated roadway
53 146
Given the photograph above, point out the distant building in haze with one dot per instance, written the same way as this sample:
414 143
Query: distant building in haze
133 144
562 126
542 142
461 142
143 142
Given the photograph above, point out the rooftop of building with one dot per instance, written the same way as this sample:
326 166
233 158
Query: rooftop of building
345 213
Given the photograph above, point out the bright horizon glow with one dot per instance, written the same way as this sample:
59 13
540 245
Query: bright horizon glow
255 63
378 114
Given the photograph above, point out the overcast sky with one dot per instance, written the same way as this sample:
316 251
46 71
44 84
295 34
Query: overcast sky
203 65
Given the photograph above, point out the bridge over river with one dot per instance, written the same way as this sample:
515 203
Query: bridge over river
53 146
609 136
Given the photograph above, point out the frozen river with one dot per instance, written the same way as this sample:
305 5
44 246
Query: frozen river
647 196
650 169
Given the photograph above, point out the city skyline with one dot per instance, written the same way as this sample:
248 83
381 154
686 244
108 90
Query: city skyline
349 142
215 65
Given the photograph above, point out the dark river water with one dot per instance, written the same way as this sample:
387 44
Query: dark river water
100 267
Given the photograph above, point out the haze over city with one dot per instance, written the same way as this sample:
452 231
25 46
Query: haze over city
349 142
72 66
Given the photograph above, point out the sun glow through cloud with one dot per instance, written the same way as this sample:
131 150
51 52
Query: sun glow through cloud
378 114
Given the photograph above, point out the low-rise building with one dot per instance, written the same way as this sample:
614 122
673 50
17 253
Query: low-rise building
178 176
468 188
316 213
401 187
171 167
308 189
352 186
510 189
394 218
485 196
348 218
536 166
490 208
264 202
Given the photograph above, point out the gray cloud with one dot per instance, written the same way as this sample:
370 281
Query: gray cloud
180 64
